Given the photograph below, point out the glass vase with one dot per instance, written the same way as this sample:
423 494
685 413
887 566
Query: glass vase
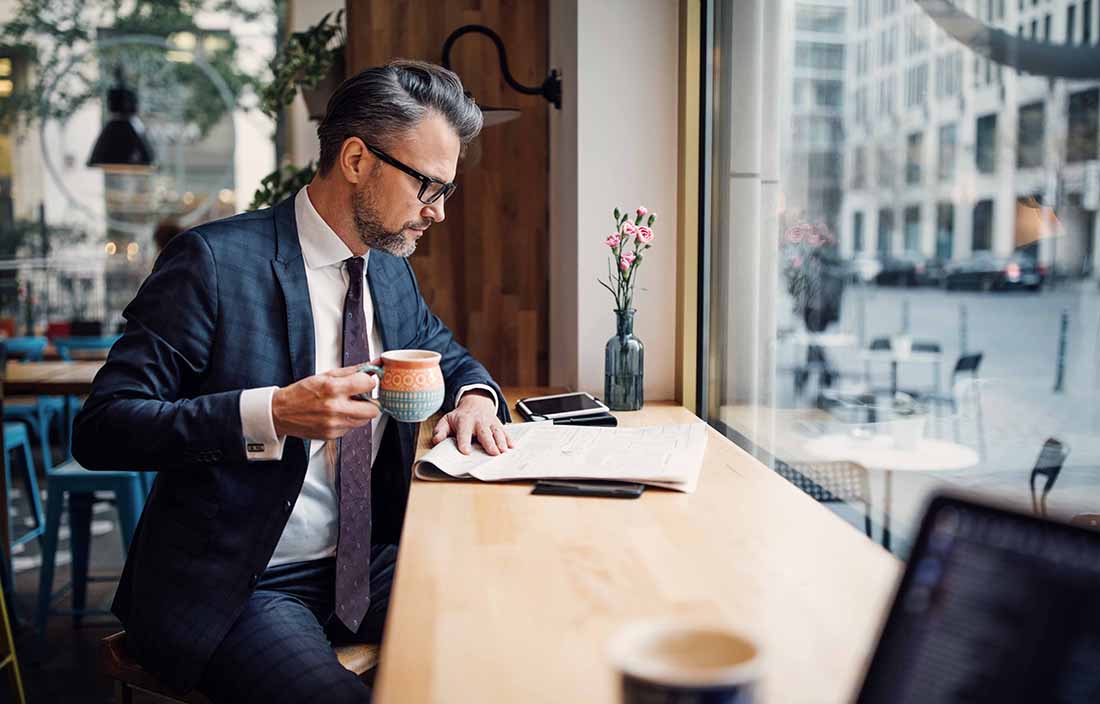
624 366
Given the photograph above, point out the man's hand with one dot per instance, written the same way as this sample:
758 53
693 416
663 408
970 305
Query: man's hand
321 407
474 416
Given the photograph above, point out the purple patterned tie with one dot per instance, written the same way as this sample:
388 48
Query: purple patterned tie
353 461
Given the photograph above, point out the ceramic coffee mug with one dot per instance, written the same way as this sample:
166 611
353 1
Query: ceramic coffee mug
411 386
671 663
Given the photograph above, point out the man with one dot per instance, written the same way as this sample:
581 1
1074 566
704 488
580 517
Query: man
259 547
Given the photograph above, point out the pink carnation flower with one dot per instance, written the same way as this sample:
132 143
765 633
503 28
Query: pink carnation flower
629 257
612 240
629 230
642 212
645 235
624 264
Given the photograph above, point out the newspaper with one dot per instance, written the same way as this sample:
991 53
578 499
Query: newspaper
668 456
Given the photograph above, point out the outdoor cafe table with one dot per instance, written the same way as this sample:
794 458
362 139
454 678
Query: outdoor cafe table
896 356
501 596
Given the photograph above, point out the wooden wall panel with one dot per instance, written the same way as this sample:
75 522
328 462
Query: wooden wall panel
484 270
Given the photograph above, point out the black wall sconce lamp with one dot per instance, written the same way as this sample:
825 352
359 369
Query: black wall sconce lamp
550 88
121 146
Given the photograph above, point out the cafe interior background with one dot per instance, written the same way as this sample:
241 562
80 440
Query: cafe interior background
865 224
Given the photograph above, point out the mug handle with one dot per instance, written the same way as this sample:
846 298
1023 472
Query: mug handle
378 370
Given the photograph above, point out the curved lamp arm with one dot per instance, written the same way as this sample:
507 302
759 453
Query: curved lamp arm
550 88
1038 58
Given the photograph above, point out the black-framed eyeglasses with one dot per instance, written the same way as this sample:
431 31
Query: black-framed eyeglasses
430 188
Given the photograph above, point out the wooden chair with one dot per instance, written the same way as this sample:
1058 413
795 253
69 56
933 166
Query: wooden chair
128 675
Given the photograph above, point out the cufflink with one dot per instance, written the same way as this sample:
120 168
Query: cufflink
255 447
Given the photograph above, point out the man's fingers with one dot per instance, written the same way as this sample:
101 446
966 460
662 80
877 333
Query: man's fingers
357 412
485 437
502 439
343 371
463 433
442 428
352 384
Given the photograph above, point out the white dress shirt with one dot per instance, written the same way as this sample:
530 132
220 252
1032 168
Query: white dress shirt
313 527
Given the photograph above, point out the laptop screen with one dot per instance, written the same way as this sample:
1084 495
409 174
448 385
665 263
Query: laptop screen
994 606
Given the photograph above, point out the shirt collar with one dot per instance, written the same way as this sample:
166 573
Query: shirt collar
321 246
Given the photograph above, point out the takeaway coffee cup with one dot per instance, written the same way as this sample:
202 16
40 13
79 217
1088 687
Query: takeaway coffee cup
664 662
411 384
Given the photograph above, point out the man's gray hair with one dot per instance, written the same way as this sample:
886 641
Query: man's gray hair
381 104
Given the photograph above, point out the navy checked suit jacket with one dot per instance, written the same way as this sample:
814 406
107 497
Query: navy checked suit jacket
227 308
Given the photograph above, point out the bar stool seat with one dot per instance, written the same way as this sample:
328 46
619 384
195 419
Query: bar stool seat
129 675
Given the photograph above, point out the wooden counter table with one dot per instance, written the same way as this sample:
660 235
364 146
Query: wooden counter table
501 596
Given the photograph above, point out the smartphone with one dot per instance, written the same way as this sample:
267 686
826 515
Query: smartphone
568 405
610 490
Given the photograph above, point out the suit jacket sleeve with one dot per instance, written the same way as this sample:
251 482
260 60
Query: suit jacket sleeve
458 365
147 410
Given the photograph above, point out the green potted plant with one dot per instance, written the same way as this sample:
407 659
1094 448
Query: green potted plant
281 184
312 61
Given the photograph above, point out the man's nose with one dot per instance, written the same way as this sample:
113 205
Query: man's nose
434 211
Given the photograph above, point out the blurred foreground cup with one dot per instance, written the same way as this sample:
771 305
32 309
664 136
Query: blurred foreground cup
664 662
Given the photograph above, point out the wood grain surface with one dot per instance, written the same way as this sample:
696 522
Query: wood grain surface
50 378
484 270
501 596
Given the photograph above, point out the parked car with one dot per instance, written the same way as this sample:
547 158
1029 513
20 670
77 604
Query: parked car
863 269
910 269
989 272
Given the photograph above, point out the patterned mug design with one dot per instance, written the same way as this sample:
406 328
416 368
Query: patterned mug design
411 389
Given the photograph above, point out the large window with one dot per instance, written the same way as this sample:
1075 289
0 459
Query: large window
1029 140
914 159
1084 123
945 231
982 238
985 150
912 229
818 55
945 155
819 18
965 227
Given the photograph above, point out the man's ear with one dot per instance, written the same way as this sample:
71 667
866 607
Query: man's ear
354 160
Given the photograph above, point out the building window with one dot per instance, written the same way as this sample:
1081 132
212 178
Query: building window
1084 115
885 231
859 168
948 74
818 55
1046 28
857 232
916 85
913 160
945 161
945 231
985 154
1035 29
912 228
828 94
1086 22
917 34
886 96
1071 22
982 240
1029 140
818 18
886 167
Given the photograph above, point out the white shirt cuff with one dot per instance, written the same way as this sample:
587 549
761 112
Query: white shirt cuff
483 387
258 425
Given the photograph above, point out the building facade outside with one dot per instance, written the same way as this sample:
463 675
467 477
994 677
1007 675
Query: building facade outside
948 154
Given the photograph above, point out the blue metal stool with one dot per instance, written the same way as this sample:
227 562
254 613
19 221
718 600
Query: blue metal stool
15 437
37 414
80 485
66 345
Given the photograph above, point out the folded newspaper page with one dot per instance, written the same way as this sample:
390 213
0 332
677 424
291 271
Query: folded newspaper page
668 456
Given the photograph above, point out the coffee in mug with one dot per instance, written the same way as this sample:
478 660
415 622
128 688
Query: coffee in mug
410 384
670 663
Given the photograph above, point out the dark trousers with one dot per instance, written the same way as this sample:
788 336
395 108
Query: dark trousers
280 649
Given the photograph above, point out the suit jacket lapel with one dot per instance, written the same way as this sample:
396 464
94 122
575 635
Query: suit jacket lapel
290 270
384 295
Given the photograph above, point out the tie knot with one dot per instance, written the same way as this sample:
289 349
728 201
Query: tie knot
355 267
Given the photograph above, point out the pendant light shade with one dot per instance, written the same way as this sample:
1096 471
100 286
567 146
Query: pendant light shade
121 146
